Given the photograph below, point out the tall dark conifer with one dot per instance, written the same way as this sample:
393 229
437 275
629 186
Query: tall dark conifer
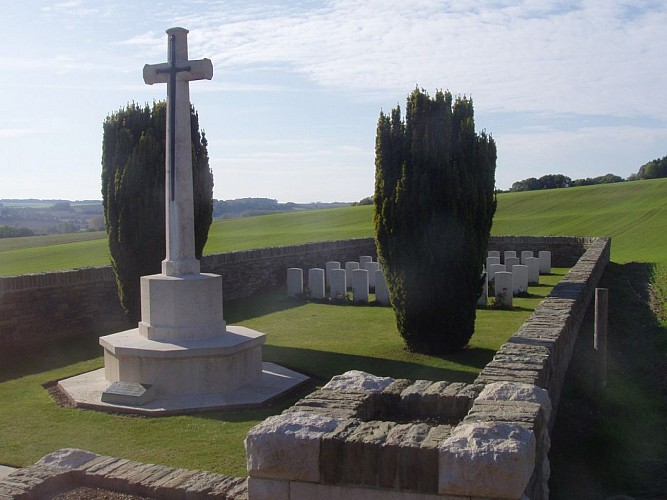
133 192
434 205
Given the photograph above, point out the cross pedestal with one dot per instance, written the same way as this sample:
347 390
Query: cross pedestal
182 356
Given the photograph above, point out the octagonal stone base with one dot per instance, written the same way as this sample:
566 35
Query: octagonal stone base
220 363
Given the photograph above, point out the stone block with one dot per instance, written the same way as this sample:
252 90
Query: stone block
67 458
128 393
268 489
332 449
358 381
361 451
287 446
486 459
179 308
514 391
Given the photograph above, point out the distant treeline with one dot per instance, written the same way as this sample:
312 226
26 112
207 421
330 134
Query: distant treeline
247 207
651 170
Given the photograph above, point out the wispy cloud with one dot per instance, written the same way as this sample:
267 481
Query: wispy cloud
529 56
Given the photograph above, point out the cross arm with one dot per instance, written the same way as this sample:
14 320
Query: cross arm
201 69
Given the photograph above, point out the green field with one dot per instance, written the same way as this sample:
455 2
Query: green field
632 213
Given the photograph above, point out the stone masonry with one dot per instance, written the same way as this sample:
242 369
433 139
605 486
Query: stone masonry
365 437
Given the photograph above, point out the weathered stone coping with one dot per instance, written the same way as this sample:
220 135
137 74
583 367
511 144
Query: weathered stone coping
69 468
398 436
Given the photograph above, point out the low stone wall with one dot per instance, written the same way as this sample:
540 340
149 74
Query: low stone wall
44 307
364 437
67 470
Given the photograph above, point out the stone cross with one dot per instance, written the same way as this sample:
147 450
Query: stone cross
179 207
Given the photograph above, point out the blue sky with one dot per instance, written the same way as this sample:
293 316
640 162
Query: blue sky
578 88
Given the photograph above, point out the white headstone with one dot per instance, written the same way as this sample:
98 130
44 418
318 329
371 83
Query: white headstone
511 261
503 288
508 254
371 267
495 268
349 267
525 254
493 253
533 264
316 282
338 284
491 261
328 266
294 281
381 290
363 260
545 261
360 285
519 278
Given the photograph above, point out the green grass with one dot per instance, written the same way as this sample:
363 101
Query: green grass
316 339
618 440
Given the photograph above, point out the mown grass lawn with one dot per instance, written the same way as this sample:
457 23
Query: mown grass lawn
320 340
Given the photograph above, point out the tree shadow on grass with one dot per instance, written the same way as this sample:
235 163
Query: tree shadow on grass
49 356
615 441
238 310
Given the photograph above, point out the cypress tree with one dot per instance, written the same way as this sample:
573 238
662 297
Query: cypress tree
133 194
434 205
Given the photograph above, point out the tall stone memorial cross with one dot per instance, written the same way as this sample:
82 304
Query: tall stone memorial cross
179 204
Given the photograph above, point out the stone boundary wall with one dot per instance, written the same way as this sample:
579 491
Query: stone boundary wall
363 437
67 469
38 308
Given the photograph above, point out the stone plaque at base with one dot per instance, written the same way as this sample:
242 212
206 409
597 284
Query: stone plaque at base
128 393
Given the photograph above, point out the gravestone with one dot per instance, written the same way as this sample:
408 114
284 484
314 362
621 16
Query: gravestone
508 254
491 261
533 264
493 253
545 261
525 254
316 282
371 267
363 260
349 267
360 285
493 269
519 278
295 281
381 289
328 266
511 261
503 288
338 284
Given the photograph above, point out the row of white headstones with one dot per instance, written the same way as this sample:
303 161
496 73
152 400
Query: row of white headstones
361 277
513 276
509 278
